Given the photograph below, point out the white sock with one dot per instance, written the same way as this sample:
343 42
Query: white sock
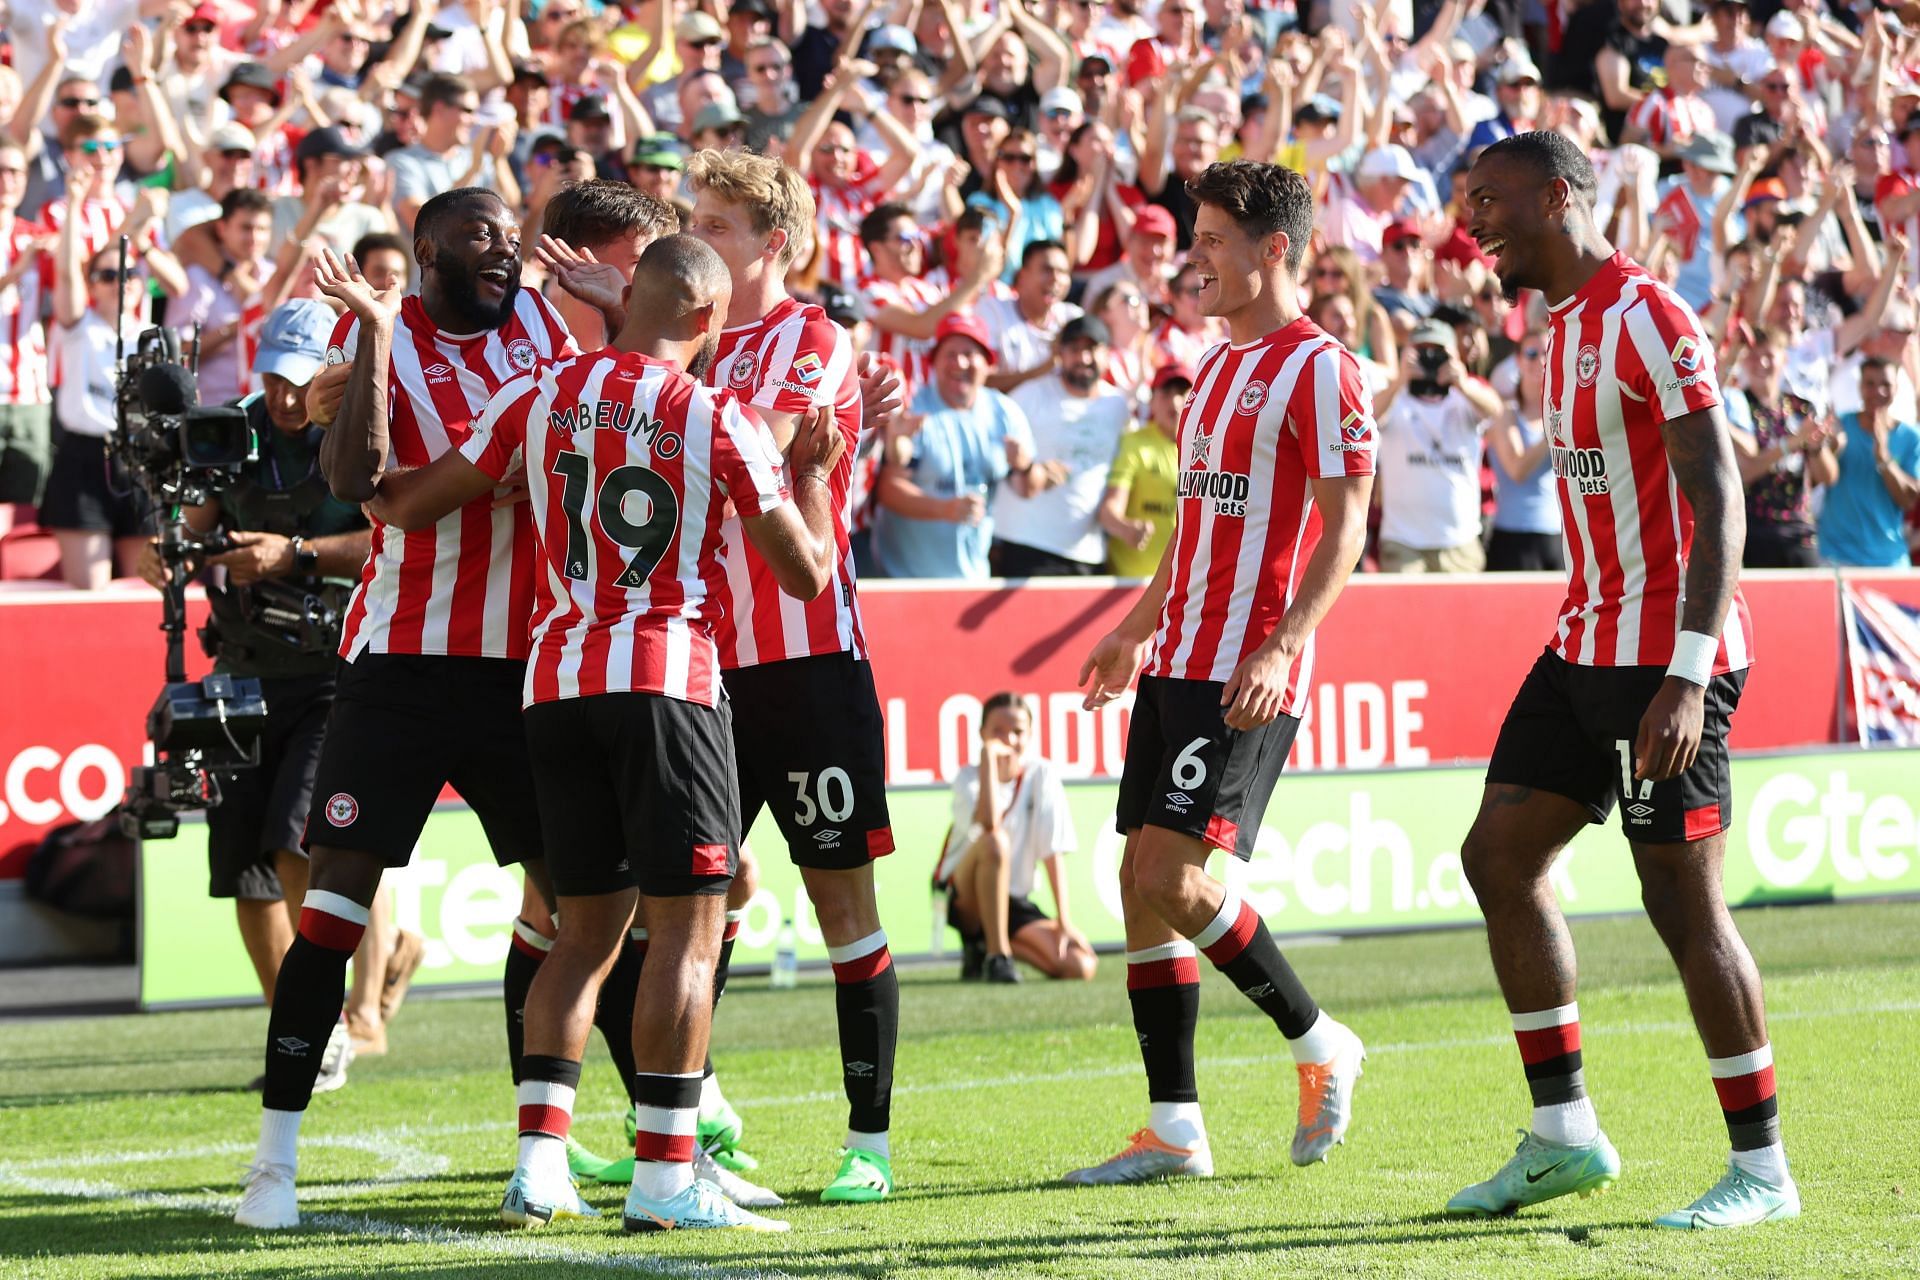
711 1099
1178 1124
874 1142
661 1179
1322 1041
543 1156
279 1137
1769 1164
1571 1124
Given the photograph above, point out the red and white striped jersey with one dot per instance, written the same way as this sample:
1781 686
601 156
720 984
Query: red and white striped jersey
99 222
909 355
1625 355
1671 119
463 588
1172 344
630 468
790 361
23 335
274 168
1264 421
838 211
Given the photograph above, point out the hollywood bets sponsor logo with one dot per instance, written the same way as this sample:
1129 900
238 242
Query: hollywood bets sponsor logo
1226 490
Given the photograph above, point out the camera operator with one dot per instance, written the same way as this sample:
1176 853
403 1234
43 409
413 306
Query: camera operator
289 539
1432 420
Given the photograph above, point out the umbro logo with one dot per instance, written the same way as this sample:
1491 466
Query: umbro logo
1143 1039
1260 992
1179 801
623 866
1640 812
438 370
827 837
293 1045
862 1070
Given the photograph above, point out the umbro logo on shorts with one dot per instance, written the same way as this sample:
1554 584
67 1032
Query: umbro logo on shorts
828 838
862 1070
1640 812
293 1045
1179 801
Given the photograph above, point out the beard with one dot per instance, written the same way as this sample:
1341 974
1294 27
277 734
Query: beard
462 289
1082 378
703 358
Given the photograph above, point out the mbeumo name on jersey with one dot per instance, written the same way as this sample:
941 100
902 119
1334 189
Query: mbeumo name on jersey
613 415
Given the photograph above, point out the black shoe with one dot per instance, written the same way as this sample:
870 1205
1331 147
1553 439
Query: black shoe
973 959
1000 969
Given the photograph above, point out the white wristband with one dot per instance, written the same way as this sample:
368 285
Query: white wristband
1693 656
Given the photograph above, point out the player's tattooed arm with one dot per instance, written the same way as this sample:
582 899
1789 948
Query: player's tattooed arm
355 450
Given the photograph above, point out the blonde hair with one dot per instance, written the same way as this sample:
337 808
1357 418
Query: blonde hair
774 196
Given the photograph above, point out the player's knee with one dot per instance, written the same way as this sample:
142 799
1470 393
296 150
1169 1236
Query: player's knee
1078 966
349 873
1156 879
1665 904
1482 864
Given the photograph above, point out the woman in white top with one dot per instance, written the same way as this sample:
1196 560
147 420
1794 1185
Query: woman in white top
1003 828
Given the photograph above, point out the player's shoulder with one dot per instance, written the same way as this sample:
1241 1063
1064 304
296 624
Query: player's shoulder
1644 294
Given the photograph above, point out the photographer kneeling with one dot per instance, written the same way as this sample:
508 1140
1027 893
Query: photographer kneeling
283 555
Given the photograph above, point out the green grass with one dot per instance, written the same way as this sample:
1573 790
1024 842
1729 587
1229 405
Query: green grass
121 1138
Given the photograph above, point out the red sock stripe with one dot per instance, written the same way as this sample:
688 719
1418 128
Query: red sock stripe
526 948
1234 940
861 968
731 932
540 1118
1548 1042
1737 1093
329 931
1178 971
668 1148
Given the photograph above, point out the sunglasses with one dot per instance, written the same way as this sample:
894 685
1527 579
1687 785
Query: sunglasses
1774 86
78 104
199 28
1533 353
704 42
915 100
774 69
112 275
1329 273
94 146
1016 157
1060 113
902 238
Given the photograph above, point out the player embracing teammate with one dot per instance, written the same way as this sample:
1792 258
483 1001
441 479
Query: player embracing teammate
1277 448
1632 700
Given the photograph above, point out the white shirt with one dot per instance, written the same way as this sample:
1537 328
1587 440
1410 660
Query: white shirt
189 209
1085 434
93 37
83 402
1749 60
1815 354
1038 823
1430 471
1018 344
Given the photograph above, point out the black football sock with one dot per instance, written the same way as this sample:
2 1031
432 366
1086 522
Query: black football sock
866 998
1163 986
1239 945
308 997
524 954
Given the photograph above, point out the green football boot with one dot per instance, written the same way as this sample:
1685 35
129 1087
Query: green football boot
583 1164
863 1178
1540 1171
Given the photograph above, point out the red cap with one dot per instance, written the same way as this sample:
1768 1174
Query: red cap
1172 373
206 13
1152 220
1398 231
1766 189
964 324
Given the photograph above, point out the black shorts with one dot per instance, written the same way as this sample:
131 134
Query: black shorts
1513 551
403 726
811 745
1188 772
1571 731
1021 912
636 790
264 810
88 493
1017 560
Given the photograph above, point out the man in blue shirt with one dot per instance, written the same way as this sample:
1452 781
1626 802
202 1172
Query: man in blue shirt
938 477
1862 515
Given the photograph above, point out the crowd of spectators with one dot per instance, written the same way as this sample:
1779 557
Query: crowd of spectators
1002 215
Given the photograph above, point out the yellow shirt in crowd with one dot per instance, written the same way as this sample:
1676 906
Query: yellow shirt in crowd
1148 468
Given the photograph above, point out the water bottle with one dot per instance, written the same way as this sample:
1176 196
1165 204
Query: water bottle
937 945
786 958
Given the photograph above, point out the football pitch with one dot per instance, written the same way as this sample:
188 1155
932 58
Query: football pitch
122 1139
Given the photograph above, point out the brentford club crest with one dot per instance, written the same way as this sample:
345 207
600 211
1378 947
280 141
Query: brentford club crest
1587 364
342 809
521 355
1253 397
740 377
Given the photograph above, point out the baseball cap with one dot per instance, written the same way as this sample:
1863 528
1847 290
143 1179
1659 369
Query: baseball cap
661 151
1514 70
1318 109
531 73
895 38
985 106
698 27
717 115
1710 151
1152 220
252 75
1433 333
591 106
843 306
329 141
1172 373
293 342
1784 26
1390 161
752 9
1084 328
232 137
1398 231
963 324
1099 55
1061 98
204 13
1765 189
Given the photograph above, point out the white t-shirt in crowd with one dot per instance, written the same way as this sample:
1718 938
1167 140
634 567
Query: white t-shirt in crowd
93 36
1084 433
1038 822
1429 467
1019 344
1814 353
83 402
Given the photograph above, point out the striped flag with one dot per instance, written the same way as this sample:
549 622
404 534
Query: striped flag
1883 659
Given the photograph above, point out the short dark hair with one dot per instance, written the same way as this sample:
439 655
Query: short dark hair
1001 701
974 218
430 223
600 211
1261 199
1551 155
1037 247
1875 362
873 227
245 200
375 241
443 89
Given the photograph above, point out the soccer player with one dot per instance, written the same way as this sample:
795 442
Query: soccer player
807 727
435 641
1631 700
631 466
1276 444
